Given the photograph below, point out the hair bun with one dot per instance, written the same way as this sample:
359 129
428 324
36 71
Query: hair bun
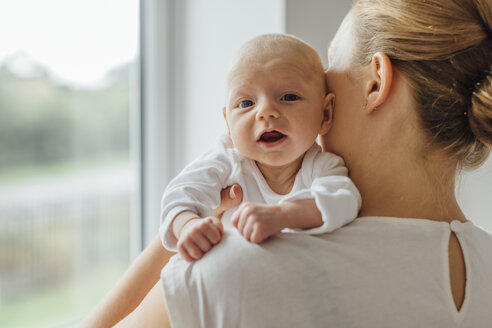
480 114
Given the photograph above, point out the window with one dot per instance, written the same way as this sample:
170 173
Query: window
68 168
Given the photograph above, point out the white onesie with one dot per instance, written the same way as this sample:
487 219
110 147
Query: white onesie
322 176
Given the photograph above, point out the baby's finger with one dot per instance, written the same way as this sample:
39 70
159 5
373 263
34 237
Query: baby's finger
243 219
213 234
248 230
193 250
257 236
184 254
202 242
218 224
235 217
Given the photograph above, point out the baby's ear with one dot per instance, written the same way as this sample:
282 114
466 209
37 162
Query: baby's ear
327 121
225 119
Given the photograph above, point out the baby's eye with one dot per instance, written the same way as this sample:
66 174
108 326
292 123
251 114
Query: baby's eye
289 97
246 104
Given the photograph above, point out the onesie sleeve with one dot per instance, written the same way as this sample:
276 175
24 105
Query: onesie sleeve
336 196
197 188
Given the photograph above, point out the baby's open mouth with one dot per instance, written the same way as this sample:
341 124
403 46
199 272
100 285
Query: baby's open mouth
271 136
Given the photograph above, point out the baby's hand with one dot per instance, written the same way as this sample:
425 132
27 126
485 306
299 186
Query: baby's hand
257 222
198 236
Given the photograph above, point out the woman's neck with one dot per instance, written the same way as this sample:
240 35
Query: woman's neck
281 178
399 188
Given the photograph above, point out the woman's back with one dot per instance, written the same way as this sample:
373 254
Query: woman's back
375 272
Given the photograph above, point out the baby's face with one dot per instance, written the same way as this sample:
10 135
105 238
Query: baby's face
275 110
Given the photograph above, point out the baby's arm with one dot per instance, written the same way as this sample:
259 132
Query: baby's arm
335 195
257 222
331 202
192 195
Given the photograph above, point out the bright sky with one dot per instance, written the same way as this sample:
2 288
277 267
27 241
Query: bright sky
78 40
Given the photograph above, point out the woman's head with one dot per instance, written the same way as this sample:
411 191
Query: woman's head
443 48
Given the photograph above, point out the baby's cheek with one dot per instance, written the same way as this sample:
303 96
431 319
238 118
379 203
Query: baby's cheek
309 128
243 138
246 148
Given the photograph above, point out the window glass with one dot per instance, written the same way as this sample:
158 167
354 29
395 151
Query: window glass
67 170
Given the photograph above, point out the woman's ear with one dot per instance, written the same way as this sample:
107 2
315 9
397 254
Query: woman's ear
225 119
327 114
379 83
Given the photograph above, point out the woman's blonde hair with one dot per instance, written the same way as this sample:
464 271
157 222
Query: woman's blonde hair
444 48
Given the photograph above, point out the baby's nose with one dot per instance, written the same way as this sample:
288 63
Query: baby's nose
267 110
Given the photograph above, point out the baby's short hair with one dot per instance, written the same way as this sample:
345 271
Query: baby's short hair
270 45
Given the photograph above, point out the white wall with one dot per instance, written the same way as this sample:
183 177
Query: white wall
315 21
474 190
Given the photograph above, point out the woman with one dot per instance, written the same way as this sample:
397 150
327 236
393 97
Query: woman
413 107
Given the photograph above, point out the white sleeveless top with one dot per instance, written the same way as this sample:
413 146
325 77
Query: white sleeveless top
374 272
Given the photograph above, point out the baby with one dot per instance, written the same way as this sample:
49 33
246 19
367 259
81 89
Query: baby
276 106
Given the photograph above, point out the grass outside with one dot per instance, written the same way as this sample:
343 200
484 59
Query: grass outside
59 303
54 307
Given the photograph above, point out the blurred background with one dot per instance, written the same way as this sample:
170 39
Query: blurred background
101 104
68 169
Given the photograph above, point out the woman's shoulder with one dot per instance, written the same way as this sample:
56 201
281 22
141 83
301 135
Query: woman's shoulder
353 244
350 273
478 240
479 231
364 242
